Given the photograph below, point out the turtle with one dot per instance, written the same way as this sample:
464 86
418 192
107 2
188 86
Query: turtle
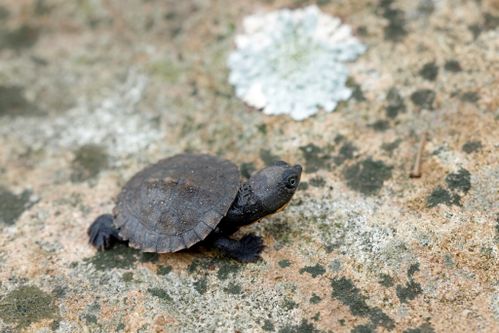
188 199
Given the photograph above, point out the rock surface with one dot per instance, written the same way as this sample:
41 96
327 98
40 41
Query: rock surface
92 91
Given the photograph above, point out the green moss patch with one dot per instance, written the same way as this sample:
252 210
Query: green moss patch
452 66
412 289
315 299
429 71
164 270
472 147
160 293
395 30
12 205
268 326
228 269
345 291
247 169
26 305
268 157
233 288
127 277
362 329
424 328
380 125
470 97
120 256
317 182
423 98
201 285
385 280
460 181
408 292
303 327
396 103
316 158
367 176
88 162
313 270
441 196
4 13
20 38
284 263
346 152
13 102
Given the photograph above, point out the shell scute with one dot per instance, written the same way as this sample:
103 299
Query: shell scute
177 202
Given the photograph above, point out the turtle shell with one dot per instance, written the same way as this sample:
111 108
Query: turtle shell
175 203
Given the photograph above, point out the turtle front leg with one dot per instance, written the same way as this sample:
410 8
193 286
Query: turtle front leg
247 249
102 233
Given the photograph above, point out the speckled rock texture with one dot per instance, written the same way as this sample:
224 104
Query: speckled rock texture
93 91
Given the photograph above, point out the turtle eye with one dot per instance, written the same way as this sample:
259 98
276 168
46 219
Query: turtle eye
291 182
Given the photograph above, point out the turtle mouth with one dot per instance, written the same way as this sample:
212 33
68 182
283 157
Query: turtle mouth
282 207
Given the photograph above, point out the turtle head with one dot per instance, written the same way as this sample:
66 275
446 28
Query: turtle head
275 185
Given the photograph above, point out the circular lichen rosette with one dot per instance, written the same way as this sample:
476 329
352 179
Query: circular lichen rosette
293 62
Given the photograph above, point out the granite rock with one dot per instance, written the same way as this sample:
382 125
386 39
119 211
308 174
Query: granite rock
96 90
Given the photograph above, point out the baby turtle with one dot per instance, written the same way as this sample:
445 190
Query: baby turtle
190 198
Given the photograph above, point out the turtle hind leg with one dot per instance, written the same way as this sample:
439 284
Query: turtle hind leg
247 249
102 233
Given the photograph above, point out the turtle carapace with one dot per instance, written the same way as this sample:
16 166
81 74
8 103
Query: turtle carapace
191 198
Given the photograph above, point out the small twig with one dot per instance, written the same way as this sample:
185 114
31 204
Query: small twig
416 170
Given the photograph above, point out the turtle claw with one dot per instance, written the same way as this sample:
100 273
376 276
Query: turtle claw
250 247
102 233
247 249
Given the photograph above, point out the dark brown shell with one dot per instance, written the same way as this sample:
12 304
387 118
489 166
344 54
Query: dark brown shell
175 203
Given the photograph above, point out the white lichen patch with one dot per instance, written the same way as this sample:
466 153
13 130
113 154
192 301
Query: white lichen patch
293 62
113 121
